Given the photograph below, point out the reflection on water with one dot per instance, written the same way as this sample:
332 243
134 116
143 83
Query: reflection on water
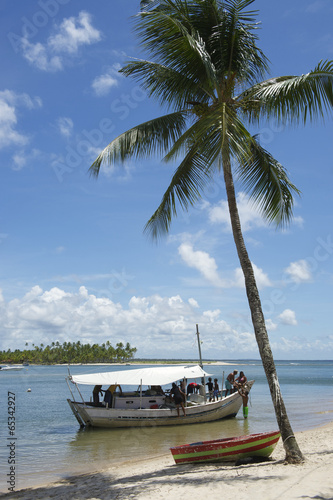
119 445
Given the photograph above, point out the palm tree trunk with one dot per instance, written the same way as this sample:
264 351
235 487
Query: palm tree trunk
293 453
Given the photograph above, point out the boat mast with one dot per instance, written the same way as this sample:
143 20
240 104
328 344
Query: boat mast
199 345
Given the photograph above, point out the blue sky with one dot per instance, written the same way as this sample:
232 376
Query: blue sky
74 262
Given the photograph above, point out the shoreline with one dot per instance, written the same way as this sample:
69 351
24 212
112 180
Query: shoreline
141 362
158 477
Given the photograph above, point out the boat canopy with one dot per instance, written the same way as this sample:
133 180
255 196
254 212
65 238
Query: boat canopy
145 376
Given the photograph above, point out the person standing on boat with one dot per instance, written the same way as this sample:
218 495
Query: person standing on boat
96 392
245 397
216 390
182 385
179 397
241 380
229 383
109 393
210 386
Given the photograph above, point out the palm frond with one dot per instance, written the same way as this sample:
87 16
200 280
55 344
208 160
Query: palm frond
267 182
187 183
141 141
200 136
294 99
175 44
233 43
166 84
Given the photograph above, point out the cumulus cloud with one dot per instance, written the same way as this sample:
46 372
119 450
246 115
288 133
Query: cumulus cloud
270 325
207 267
160 327
103 84
10 103
72 33
288 317
299 272
156 325
261 277
249 215
21 158
201 261
38 55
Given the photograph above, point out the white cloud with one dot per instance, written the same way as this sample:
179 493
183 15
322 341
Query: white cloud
207 267
249 215
152 324
193 302
72 33
162 327
10 102
19 161
299 272
270 325
21 158
288 317
261 278
102 84
65 126
201 261
38 55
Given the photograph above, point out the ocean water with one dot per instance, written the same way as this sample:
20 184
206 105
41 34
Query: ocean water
46 442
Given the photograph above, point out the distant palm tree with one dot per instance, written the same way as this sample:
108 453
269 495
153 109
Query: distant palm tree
206 67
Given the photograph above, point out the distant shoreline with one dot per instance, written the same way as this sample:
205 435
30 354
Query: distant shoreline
148 362
130 363
152 362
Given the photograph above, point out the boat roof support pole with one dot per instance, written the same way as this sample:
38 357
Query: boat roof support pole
140 394
78 390
199 345
184 386
70 390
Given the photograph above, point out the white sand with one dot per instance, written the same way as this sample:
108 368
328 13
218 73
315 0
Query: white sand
159 478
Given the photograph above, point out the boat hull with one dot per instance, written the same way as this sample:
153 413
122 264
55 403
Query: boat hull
11 368
88 415
228 449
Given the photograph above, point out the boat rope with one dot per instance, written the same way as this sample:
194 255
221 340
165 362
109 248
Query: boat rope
291 436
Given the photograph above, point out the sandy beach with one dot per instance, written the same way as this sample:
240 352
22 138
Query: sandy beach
159 478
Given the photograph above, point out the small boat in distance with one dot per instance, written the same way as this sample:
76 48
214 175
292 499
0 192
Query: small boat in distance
10 367
227 449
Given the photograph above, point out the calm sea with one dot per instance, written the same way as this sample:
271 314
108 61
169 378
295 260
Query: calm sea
49 444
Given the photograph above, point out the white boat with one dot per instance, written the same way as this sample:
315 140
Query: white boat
145 407
10 367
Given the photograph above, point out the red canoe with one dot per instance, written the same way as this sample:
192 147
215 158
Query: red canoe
228 449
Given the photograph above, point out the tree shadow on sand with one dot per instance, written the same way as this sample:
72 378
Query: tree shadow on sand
106 486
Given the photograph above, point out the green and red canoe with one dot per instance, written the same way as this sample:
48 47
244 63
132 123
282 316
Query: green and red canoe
228 449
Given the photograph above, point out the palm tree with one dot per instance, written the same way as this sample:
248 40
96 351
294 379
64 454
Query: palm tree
207 69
